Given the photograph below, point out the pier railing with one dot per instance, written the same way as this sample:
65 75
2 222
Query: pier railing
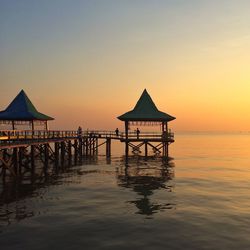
131 134
13 135
29 135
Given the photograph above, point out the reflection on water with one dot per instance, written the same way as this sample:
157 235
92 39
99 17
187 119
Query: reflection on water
200 200
145 178
15 194
142 176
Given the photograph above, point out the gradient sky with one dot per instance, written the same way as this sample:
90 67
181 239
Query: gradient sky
86 62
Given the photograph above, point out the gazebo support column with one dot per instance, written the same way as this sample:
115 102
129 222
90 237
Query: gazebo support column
164 127
32 125
165 139
166 154
126 136
46 125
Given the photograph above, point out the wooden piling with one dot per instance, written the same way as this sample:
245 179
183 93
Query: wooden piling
62 153
56 147
146 149
32 157
76 151
87 146
4 166
96 148
69 153
15 160
20 160
46 156
80 147
83 146
108 147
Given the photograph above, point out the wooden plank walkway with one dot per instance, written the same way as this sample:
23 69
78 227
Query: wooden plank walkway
17 138
19 149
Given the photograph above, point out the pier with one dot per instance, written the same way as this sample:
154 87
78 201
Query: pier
21 149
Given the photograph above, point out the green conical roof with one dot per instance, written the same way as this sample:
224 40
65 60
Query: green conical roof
22 109
145 110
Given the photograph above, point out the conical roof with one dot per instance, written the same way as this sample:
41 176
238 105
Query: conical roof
145 110
22 109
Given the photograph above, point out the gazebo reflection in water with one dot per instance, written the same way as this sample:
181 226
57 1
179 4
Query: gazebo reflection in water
146 178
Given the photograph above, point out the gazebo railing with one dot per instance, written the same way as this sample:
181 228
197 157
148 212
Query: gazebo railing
147 135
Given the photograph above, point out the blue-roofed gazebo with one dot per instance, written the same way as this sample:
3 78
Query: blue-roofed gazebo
22 111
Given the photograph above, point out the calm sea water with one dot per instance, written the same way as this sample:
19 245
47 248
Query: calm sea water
199 200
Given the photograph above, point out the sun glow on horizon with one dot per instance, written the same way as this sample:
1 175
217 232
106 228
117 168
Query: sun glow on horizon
85 63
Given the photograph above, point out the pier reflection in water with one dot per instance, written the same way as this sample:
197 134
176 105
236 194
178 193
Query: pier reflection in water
17 195
145 178
26 197
202 203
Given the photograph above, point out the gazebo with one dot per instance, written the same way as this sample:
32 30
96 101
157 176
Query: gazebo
22 111
146 113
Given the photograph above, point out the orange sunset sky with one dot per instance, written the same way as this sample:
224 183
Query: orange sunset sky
86 62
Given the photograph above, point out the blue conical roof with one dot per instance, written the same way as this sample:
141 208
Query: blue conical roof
145 110
22 109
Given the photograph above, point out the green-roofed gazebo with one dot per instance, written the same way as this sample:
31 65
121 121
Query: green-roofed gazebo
145 112
21 111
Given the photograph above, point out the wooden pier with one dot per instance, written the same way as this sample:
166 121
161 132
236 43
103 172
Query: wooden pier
20 149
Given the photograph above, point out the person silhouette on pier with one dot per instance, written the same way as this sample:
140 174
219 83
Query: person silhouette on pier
79 132
117 131
138 133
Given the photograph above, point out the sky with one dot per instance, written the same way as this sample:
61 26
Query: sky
87 62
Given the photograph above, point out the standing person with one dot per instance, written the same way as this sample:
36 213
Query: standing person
79 132
117 131
138 133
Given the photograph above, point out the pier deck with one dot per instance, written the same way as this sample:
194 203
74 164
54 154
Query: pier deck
18 138
19 149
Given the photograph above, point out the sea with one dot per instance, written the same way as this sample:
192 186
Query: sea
199 199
